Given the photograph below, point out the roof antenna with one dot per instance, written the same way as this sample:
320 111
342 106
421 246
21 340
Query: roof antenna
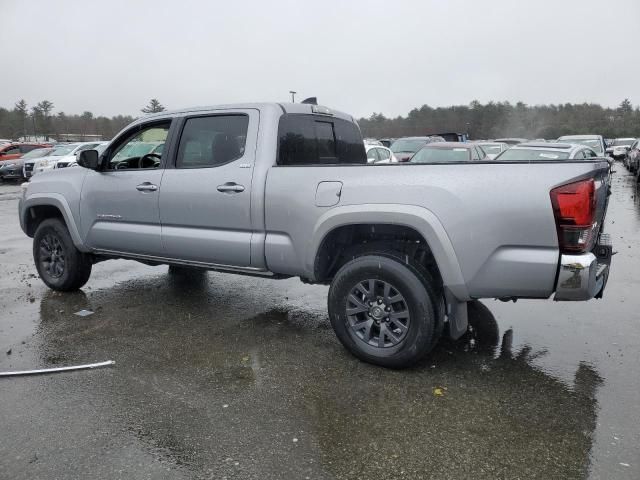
310 101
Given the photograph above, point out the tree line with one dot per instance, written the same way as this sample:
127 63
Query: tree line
503 119
40 121
490 120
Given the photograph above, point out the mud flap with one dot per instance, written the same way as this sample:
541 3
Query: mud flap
457 317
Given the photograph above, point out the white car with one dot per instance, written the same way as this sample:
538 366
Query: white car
379 154
62 153
595 142
72 160
620 147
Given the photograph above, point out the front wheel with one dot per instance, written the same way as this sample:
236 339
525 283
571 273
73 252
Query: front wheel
59 263
382 311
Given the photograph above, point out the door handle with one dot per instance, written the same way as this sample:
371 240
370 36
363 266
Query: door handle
231 187
147 187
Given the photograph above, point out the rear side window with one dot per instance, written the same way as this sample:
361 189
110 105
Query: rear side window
212 141
317 140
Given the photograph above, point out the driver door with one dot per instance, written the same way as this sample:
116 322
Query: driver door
119 204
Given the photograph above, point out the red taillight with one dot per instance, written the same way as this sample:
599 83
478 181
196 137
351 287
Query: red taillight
574 207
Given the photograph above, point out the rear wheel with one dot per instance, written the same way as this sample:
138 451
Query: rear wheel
383 311
59 263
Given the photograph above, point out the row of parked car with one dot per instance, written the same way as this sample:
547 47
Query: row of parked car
23 160
20 161
436 149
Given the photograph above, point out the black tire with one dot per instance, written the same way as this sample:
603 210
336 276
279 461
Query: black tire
419 300
74 271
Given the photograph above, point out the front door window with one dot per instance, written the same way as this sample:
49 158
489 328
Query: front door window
142 150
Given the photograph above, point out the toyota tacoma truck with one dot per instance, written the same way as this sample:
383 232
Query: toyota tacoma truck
285 190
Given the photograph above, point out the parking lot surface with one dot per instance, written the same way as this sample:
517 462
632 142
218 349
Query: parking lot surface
222 376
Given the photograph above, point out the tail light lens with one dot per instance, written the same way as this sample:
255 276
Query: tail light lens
574 208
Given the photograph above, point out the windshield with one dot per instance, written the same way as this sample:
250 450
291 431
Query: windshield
407 146
441 155
40 152
516 154
63 150
623 142
594 143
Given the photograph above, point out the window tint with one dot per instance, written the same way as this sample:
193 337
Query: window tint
312 139
372 155
211 141
136 151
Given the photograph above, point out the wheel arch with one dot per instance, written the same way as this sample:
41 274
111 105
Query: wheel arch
37 208
413 223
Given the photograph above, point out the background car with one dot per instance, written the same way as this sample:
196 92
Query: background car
595 142
449 152
371 141
13 169
28 169
492 149
380 154
546 151
387 141
633 157
620 147
10 151
404 148
72 159
64 153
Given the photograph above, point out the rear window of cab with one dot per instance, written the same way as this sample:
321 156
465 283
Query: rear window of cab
319 140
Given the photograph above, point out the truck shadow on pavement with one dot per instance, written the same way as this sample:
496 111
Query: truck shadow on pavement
211 372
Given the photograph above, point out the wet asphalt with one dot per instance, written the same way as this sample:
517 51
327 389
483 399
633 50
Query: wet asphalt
222 376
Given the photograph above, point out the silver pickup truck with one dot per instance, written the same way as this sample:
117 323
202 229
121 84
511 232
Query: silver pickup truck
282 190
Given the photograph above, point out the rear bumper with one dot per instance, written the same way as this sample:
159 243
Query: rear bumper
583 277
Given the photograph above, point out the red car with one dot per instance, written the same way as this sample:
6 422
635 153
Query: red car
10 151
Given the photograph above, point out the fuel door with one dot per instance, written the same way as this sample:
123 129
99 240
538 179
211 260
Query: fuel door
328 194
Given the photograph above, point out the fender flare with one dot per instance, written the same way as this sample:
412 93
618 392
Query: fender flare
54 200
421 219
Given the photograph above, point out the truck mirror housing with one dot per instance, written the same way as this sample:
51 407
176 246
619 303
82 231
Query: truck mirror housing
89 159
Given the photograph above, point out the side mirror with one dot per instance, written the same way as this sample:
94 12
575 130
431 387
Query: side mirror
89 159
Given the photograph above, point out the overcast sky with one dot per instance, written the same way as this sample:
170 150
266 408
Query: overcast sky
112 56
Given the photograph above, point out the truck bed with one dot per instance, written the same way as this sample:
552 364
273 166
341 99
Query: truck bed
490 225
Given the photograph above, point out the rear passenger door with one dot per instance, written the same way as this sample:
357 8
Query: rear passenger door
205 196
